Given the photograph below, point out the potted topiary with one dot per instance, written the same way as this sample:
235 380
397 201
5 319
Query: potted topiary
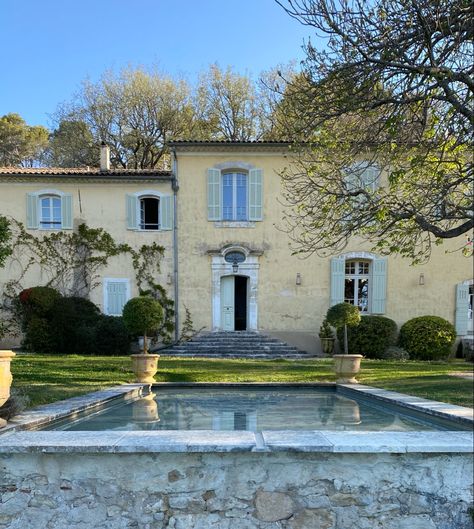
5 379
346 365
326 337
142 316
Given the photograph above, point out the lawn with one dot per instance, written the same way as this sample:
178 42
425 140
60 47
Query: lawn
46 378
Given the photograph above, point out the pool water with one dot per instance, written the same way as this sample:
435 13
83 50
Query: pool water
253 409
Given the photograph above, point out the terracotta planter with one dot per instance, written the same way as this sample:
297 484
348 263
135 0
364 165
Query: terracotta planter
327 345
5 379
346 368
145 367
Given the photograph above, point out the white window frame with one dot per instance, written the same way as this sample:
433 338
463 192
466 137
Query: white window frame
139 217
235 173
356 277
42 221
148 193
108 280
45 193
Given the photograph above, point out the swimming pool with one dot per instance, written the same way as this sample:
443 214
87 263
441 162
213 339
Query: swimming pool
254 408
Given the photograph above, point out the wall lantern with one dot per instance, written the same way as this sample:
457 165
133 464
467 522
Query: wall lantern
298 278
421 281
234 258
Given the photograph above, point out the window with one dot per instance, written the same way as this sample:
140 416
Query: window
149 213
149 210
359 278
357 284
49 209
234 196
50 213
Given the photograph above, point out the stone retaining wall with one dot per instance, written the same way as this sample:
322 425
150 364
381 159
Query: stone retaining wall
235 490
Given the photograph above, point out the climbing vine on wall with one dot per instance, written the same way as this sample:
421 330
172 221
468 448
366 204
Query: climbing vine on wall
71 263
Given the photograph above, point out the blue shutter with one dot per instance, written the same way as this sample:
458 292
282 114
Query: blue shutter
131 206
31 211
379 285
66 212
337 280
116 297
462 309
214 194
166 212
255 194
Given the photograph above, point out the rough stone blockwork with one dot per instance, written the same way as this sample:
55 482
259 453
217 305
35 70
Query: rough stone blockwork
235 491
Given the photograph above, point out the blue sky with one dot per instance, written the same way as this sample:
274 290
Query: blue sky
48 46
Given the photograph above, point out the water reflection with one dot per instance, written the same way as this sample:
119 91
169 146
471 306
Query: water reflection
145 410
252 409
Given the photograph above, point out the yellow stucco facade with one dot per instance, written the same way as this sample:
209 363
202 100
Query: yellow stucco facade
286 295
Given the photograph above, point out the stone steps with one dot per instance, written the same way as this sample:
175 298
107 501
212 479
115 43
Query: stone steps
239 344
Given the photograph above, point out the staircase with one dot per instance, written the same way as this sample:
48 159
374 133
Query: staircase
237 344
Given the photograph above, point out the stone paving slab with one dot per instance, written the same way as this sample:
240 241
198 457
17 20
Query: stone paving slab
431 407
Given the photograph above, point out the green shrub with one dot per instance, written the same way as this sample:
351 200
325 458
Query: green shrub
73 323
395 353
427 338
112 337
343 314
142 316
325 331
36 301
371 337
38 337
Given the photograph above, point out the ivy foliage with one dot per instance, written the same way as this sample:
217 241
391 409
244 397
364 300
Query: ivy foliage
72 262
5 239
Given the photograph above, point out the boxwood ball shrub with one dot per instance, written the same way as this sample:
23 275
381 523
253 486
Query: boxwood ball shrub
371 337
343 314
142 316
427 338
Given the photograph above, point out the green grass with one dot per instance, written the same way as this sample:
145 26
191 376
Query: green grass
46 378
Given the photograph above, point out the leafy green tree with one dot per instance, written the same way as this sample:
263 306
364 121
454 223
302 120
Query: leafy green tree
229 106
72 144
385 106
135 112
21 144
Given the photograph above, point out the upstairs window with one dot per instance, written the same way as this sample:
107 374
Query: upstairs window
149 213
234 196
49 209
50 213
149 210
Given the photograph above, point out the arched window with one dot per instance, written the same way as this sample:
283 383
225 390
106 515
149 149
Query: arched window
359 278
50 212
357 284
149 210
149 213
234 193
234 196
49 209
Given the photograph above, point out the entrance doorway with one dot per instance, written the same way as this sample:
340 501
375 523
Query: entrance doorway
234 302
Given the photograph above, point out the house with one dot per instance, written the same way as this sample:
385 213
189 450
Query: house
218 214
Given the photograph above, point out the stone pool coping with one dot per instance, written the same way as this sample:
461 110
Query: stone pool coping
17 437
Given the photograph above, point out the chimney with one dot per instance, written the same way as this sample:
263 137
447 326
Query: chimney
104 157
